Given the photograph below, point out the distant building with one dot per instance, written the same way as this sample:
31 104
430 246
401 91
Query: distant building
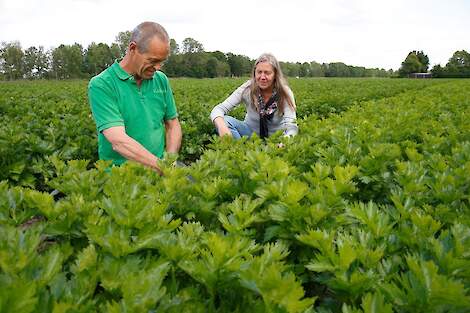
420 75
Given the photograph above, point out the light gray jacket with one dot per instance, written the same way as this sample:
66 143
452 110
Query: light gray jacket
286 122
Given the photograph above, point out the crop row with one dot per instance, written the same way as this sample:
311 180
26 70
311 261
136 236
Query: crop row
43 119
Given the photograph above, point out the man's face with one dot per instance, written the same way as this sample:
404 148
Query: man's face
147 63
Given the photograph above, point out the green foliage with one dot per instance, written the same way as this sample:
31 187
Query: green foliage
363 211
264 275
415 62
423 289
41 120
36 62
12 56
371 303
458 66
98 57
218 261
122 40
139 281
67 61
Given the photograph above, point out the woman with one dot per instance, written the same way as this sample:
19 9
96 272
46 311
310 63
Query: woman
270 104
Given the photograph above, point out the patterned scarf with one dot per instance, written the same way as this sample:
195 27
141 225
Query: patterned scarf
266 112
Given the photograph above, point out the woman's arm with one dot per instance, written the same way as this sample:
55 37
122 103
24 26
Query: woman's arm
222 128
289 120
220 110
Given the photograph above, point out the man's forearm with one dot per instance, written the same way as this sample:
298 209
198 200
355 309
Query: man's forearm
173 136
132 150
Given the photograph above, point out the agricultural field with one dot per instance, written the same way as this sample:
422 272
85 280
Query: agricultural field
366 210
52 118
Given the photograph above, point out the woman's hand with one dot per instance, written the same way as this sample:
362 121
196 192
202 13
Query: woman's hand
224 131
222 128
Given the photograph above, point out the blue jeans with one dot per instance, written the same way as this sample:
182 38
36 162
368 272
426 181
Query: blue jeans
238 128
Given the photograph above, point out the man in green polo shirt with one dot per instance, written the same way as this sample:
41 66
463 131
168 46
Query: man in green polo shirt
132 102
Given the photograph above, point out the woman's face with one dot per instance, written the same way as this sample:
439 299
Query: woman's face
264 75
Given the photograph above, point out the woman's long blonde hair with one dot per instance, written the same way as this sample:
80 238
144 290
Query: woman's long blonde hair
280 83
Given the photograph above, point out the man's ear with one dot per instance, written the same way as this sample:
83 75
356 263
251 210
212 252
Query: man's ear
132 46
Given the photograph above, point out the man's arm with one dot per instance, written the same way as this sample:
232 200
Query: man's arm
173 135
130 148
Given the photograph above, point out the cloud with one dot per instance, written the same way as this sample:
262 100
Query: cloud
358 32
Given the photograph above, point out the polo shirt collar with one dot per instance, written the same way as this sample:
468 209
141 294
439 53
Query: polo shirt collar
122 74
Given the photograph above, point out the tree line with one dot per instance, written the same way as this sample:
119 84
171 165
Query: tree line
188 59
458 65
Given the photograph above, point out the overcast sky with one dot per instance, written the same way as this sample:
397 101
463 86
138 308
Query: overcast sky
357 32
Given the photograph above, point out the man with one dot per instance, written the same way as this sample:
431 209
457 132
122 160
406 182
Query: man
133 105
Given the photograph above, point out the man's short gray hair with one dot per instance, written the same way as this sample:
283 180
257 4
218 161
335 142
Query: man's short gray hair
144 33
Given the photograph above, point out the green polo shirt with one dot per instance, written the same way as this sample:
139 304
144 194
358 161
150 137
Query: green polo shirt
116 100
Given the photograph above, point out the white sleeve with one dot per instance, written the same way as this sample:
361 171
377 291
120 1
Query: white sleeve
289 120
228 104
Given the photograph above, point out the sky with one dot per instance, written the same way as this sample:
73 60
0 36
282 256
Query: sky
374 34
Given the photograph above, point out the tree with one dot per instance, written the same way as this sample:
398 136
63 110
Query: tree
239 64
36 62
217 68
217 65
223 69
460 59
424 60
415 62
458 65
195 64
122 40
29 62
304 69
290 69
12 60
338 69
359 71
67 61
174 47
410 65
191 45
211 67
115 51
235 63
174 66
437 71
98 57
316 70
219 55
